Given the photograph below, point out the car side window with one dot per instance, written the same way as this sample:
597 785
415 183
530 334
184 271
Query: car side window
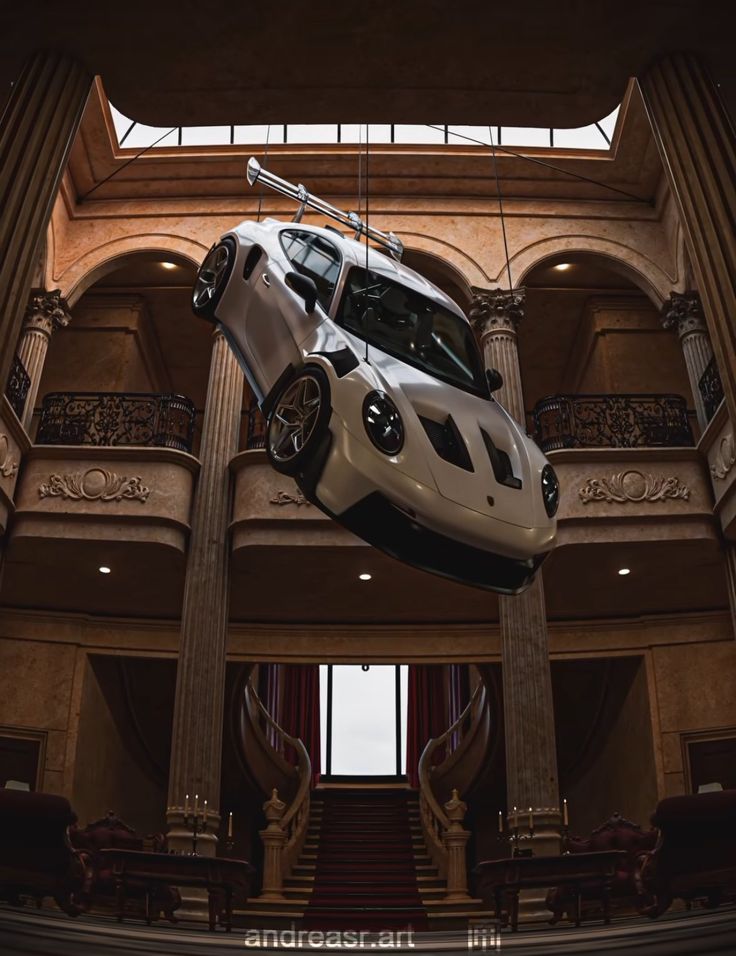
316 257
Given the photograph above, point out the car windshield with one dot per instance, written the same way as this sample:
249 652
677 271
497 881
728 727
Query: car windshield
413 328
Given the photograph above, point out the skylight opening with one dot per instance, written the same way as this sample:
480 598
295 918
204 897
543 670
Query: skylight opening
137 136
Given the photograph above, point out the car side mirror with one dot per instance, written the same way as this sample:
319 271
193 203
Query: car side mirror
304 287
494 379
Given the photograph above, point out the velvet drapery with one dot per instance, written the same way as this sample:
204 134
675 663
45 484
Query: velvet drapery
290 692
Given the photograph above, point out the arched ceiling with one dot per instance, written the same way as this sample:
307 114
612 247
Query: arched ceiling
533 64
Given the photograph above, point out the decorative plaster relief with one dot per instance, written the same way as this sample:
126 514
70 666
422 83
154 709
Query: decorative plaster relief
95 484
725 458
284 498
633 486
8 467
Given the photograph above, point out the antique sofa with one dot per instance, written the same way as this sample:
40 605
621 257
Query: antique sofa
695 855
37 859
617 833
99 890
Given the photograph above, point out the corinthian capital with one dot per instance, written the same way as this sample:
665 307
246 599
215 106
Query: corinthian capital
46 311
496 310
683 311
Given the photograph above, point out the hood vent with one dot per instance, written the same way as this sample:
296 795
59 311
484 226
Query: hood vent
501 463
447 442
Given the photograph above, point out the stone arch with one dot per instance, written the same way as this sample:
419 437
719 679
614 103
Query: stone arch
651 278
103 259
444 274
467 270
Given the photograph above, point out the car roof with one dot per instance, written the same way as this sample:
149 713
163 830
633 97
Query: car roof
355 253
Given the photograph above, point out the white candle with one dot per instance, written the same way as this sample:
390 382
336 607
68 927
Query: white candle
230 825
196 803
500 822
564 811
531 820
204 818
186 805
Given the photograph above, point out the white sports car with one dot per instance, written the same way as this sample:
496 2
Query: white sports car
375 398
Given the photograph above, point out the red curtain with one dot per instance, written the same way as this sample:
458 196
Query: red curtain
426 712
291 693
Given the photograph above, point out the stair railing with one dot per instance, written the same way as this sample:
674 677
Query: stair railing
286 826
442 826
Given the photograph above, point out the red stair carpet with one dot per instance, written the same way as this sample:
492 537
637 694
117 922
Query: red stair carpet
365 875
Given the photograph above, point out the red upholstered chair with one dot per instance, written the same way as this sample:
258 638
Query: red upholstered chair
36 857
110 832
695 855
615 834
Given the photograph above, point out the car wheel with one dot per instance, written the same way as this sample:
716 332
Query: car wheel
298 421
212 278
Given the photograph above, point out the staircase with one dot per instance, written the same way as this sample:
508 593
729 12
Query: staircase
364 866
366 853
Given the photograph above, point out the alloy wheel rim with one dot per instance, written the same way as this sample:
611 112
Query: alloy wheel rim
210 275
294 418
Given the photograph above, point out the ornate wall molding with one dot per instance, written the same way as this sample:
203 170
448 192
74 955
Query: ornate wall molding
284 498
8 466
633 486
95 484
725 458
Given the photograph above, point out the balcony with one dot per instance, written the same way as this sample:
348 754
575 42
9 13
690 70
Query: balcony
14 444
711 389
612 421
627 467
109 483
116 418
17 387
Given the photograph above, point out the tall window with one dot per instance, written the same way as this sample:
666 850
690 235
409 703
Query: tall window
363 716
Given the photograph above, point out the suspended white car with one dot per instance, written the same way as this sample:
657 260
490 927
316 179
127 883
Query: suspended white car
375 398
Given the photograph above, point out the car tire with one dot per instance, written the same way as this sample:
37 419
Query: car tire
298 421
212 279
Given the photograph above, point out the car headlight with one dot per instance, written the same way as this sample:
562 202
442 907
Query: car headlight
383 423
550 490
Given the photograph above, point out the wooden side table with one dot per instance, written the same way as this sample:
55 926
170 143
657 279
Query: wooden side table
498 879
220 877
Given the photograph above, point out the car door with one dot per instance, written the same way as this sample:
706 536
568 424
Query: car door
277 321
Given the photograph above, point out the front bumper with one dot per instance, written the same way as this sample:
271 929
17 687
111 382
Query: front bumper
386 527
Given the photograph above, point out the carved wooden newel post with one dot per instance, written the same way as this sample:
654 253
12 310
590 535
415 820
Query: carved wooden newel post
455 839
274 841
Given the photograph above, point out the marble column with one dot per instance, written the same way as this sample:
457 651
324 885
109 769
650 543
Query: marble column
46 312
683 313
696 141
36 132
196 745
531 757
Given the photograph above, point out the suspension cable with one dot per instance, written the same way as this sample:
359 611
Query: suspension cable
500 209
540 162
265 158
126 164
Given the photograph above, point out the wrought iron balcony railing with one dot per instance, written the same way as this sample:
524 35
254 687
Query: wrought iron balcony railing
611 421
116 418
256 433
17 388
711 388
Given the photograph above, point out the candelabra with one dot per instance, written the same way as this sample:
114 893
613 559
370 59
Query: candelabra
196 820
515 834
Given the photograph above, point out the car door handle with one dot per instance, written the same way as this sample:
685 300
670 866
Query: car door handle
266 280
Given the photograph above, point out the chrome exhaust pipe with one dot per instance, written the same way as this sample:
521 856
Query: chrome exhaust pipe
256 173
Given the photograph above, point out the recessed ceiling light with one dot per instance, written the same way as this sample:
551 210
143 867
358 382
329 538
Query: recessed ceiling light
623 571
103 569
365 577
563 265
169 265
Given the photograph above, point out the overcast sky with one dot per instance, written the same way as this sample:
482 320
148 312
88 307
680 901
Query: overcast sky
363 718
